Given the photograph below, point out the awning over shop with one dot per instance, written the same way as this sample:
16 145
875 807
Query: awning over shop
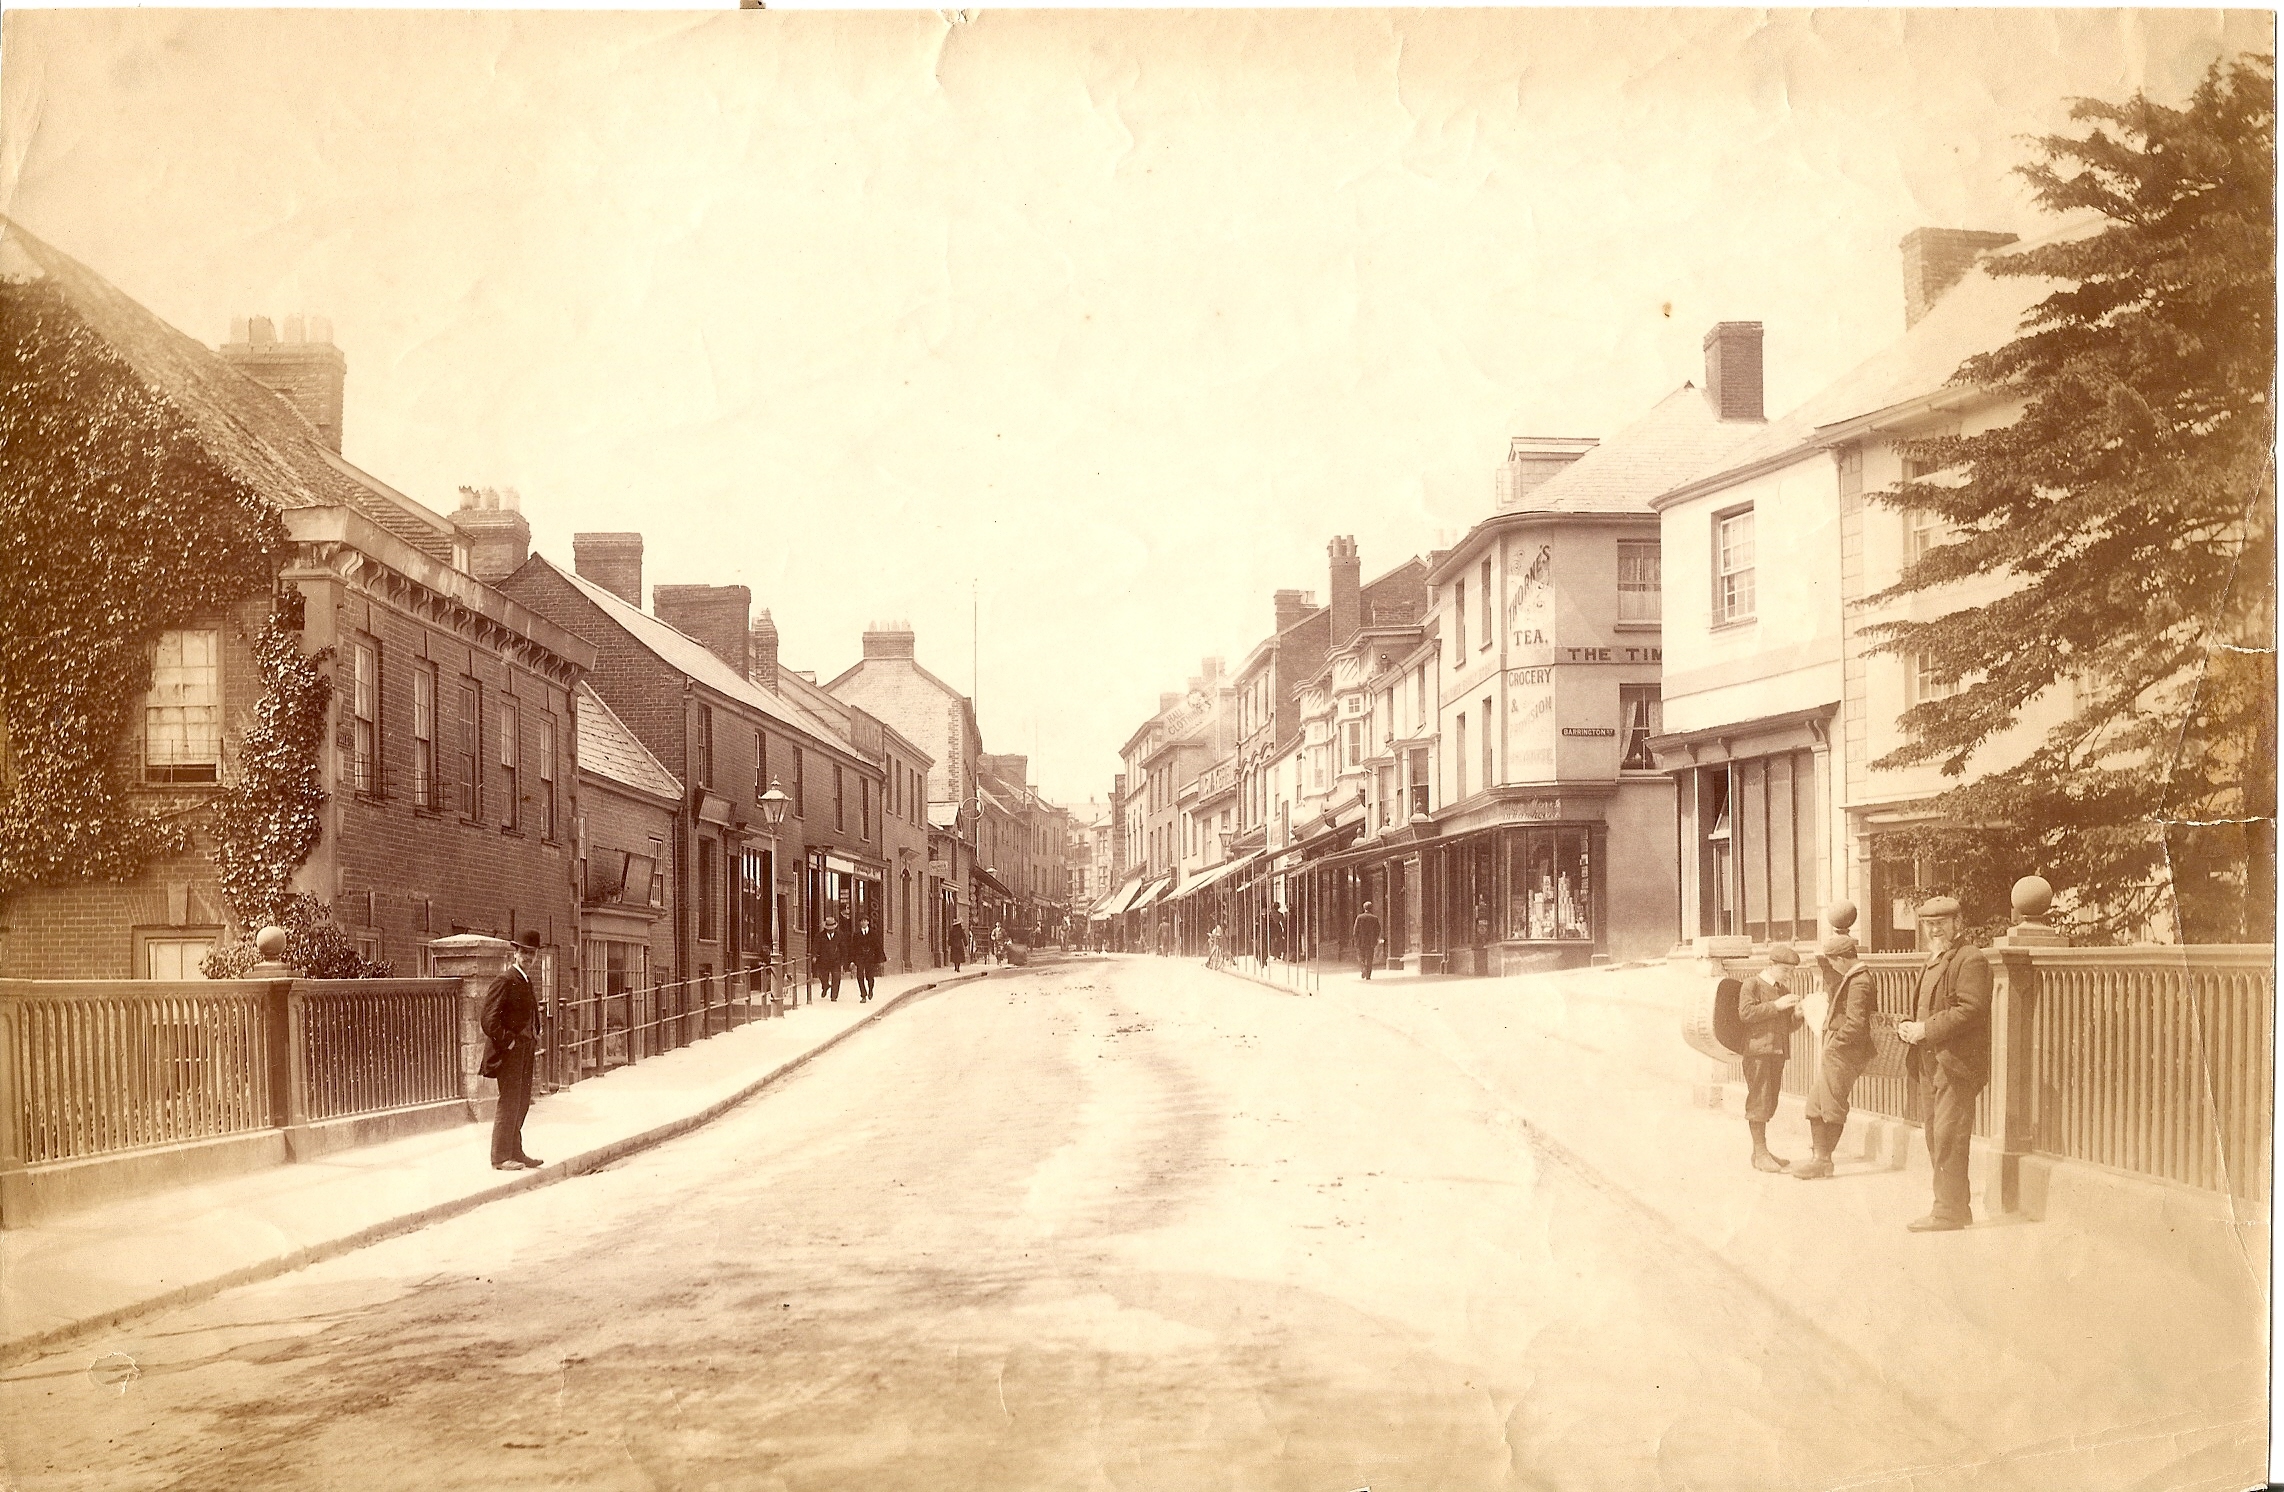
1157 890
1219 873
992 881
1119 900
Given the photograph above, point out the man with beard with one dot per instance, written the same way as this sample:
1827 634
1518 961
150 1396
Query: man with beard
1948 1054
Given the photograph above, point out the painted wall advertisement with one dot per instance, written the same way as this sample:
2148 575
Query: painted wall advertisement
1530 724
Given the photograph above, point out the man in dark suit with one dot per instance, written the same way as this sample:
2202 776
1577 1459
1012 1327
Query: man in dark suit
1949 1056
510 1018
1367 938
867 950
1770 1012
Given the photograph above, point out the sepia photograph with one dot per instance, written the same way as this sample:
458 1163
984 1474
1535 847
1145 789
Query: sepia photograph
808 749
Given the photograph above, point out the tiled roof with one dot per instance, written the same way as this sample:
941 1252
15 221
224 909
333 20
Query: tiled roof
608 749
243 425
1980 313
1678 437
686 655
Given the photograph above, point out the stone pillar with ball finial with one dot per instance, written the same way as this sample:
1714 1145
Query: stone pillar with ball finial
2014 1008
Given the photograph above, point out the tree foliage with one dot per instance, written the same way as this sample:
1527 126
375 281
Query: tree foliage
2132 506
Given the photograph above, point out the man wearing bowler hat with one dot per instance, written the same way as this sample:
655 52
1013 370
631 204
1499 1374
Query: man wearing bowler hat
510 1018
1845 1053
1949 1056
1770 1012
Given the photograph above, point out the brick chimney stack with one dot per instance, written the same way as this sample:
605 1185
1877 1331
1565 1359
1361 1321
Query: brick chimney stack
303 368
889 640
761 651
498 535
1347 589
720 616
612 561
1733 370
1935 259
1293 607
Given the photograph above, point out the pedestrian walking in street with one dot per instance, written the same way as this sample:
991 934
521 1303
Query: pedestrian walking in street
1845 1052
509 1018
1213 953
1482 943
1277 933
1770 1012
1948 1055
999 943
831 951
956 944
1367 938
867 954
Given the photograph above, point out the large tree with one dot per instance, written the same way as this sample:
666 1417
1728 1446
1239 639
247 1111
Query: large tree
2133 506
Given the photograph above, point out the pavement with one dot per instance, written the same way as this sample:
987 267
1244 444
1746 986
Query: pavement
2124 1352
87 1271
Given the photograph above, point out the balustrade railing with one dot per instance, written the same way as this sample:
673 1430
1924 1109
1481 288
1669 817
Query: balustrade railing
369 1045
2157 1060
96 1067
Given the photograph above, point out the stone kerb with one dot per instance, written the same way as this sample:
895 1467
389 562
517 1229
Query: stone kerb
474 959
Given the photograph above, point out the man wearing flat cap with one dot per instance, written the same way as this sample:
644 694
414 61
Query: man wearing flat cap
1770 1012
1949 1056
510 1018
1845 1053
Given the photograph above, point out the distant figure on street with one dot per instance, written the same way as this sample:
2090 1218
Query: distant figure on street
1277 934
956 944
1846 1049
999 943
1367 938
509 1017
1482 943
1214 958
831 951
1948 1054
1770 1011
868 957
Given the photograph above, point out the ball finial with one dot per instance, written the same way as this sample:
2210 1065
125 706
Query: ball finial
1842 915
270 942
2032 896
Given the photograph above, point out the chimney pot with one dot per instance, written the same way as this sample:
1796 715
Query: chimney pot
1733 370
1935 259
612 561
499 540
762 652
890 640
1347 581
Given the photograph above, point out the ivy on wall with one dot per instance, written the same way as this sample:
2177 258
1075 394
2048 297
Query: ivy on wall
267 820
116 524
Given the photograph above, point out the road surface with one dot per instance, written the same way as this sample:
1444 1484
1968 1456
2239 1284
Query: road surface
1102 1225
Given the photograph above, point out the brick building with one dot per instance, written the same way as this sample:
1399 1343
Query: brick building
449 754
740 894
629 810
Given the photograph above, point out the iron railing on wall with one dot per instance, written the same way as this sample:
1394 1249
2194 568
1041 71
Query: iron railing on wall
369 1045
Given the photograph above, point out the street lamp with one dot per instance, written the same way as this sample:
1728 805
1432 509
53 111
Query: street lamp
773 805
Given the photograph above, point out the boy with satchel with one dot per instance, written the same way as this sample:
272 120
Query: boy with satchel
1770 1013
1846 1051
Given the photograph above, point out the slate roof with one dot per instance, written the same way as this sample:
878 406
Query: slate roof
1980 313
1678 437
248 429
687 655
608 749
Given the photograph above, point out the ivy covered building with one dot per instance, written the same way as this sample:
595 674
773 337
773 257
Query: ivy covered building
244 680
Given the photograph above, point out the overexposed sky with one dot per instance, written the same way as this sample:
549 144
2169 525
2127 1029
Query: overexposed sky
1118 316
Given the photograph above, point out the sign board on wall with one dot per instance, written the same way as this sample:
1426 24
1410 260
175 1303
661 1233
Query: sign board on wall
1530 723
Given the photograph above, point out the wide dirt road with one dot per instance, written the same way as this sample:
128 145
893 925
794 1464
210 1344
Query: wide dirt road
1121 1224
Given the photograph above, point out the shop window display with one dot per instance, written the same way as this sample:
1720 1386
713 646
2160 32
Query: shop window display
1550 886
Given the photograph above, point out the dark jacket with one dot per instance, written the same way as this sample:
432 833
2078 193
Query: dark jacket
510 1014
1768 1030
865 951
957 941
1848 1024
1953 996
832 948
1367 933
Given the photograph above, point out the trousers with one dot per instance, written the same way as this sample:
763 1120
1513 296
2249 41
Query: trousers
1836 1074
1947 1118
515 1103
1764 1084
